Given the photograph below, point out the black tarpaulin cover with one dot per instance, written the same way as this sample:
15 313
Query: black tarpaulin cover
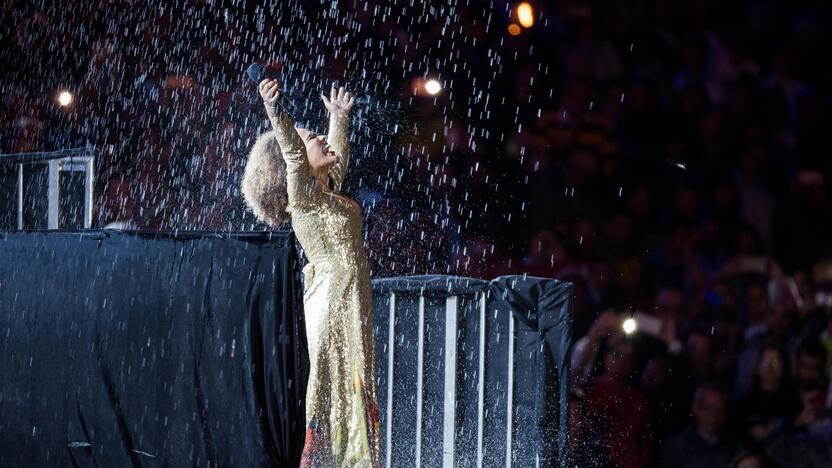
150 349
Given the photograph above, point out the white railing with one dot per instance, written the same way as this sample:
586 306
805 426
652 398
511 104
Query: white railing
56 165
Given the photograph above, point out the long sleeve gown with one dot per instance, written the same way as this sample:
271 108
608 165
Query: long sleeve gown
342 428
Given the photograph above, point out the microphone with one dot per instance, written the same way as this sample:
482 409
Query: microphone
258 73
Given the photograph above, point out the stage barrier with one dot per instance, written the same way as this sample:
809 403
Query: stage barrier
186 349
477 370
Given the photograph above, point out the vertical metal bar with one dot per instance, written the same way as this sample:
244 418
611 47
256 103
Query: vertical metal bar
449 410
20 196
391 341
52 194
510 391
89 193
420 355
481 384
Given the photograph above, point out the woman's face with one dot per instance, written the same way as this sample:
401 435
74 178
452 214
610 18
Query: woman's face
318 152
770 368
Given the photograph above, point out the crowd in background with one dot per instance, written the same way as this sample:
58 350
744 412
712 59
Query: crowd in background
670 159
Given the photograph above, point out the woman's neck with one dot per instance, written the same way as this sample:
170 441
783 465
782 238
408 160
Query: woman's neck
319 175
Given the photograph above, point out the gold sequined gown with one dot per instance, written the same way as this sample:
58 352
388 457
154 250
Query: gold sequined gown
342 426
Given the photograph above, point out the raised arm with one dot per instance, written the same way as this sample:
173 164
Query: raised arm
299 182
339 105
338 138
291 146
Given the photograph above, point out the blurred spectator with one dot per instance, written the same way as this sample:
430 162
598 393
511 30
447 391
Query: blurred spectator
704 442
811 374
806 439
770 399
618 415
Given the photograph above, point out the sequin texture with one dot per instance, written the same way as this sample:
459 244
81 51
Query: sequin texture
341 398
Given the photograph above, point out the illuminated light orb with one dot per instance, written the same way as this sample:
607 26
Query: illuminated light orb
525 14
629 326
513 29
433 87
64 98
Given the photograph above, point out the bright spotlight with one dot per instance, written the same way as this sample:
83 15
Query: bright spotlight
433 87
525 14
64 98
629 326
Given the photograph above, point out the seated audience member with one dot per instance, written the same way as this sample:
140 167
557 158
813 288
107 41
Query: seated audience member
772 327
699 348
810 376
667 383
806 440
770 400
704 442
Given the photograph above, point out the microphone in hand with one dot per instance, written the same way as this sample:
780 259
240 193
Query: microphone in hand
258 73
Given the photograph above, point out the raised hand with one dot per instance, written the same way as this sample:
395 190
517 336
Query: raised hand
339 102
269 91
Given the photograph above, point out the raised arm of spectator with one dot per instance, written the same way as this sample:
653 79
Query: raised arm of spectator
586 348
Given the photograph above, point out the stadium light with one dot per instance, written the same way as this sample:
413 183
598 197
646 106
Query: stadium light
525 15
64 98
433 87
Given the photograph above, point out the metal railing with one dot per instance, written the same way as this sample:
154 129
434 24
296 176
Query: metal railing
56 166
466 377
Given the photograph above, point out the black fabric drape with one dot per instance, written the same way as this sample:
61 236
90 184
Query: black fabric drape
543 310
150 349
